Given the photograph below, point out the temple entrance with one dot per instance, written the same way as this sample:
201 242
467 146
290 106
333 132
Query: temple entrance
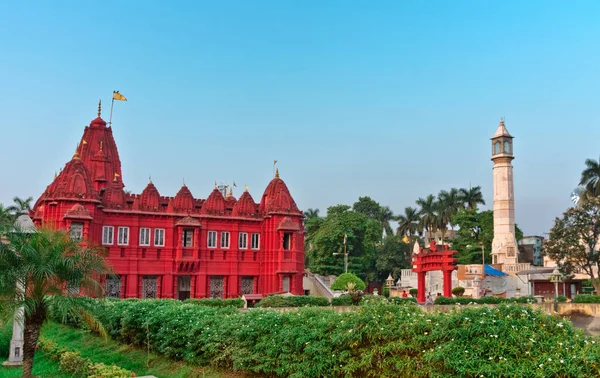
430 259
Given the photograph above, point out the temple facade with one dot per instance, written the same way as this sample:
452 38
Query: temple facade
174 247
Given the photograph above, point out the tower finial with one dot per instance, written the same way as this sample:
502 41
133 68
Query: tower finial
215 184
231 191
246 188
76 154
501 119
99 107
100 145
55 175
277 173
150 178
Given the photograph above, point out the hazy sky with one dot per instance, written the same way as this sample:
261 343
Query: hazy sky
389 99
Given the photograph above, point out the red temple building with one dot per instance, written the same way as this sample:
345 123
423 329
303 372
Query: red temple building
174 247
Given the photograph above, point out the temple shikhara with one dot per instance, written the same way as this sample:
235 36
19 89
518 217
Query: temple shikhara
174 247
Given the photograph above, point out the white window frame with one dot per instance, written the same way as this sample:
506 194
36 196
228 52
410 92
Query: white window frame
211 237
225 239
243 240
159 237
144 236
257 235
123 235
108 235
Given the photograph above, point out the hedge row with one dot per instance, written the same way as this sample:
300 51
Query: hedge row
217 302
483 300
377 339
71 362
586 298
292 301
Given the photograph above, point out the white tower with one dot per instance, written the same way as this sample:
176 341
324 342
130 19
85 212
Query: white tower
504 245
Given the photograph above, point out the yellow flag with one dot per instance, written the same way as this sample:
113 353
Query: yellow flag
118 96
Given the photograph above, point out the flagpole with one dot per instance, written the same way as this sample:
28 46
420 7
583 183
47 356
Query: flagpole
112 104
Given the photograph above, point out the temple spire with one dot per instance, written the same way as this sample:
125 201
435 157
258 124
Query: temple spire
99 108
231 191
277 173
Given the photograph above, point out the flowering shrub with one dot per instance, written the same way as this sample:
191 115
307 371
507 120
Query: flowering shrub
342 300
377 339
482 300
217 302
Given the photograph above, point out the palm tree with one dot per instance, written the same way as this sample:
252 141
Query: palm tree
20 205
408 223
45 263
311 213
428 213
590 178
444 209
6 218
472 197
385 216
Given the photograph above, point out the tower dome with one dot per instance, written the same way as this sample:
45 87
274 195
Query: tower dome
277 198
214 204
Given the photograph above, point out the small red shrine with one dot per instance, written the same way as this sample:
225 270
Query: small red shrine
430 259
175 247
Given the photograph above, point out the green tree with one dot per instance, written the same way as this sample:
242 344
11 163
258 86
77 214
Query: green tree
573 240
20 205
475 230
408 223
428 213
590 178
362 235
393 255
373 210
472 197
6 218
45 263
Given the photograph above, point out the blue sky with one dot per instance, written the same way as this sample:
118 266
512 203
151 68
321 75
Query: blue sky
390 99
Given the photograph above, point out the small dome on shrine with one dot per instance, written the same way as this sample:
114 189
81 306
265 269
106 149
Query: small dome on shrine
114 195
214 204
245 206
277 198
184 200
149 198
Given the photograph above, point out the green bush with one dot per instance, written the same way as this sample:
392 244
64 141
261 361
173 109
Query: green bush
458 291
217 302
586 298
292 301
344 279
413 292
377 339
444 301
386 292
342 300
561 299
527 299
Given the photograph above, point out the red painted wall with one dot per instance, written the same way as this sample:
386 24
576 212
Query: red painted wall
89 191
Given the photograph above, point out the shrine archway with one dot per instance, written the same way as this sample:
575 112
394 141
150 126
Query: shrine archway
431 259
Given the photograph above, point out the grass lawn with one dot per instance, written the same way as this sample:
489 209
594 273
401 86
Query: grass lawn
124 356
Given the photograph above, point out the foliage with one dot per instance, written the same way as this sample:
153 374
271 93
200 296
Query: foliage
590 179
386 292
408 223
414 292
342 300
292 301
586 298
402 301
5 336
217 302
343 280
561 299
46 262
377 339
475 229
573 240
458 291
483 300
362 235
73 363
393 255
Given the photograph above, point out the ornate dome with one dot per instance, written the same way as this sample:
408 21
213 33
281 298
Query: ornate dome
214 204
183 201
149 198
277 198
245 206
74 181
